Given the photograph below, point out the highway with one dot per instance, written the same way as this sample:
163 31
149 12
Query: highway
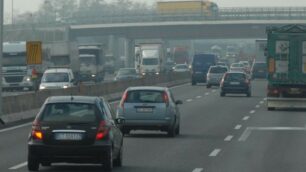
218 134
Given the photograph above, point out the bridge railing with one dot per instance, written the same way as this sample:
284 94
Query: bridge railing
223 14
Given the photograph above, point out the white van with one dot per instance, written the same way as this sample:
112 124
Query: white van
58 78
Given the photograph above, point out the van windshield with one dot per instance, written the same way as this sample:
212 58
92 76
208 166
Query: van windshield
150 61
55 77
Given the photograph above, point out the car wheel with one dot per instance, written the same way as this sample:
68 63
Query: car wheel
193 83
271 108
118 160
208 86
249 94
108 161
222 94
33 163
46 164
177 130
126 132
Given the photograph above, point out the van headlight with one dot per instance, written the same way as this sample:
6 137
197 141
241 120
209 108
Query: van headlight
65 86
27 79
42 87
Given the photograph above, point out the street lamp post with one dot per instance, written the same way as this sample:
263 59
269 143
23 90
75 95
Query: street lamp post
12 11
1 54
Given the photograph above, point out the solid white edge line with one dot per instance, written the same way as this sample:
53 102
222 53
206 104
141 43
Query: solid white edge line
198 170
246 118
15 127
19 166
215 152
237 127
228 138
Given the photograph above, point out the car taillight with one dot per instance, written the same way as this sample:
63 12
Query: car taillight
273 92
124 97
102 131
166 98
36 131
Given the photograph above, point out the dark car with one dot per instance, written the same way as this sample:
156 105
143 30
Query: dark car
75 129
126 74
259 70
235 83
200 65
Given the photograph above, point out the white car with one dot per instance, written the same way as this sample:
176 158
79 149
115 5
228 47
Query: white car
181 68
58 78
237 67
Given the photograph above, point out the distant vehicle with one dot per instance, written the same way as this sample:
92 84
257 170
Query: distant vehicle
149 108
237 67
15 72
215 74
151 59
286 60
127 74
57 78
92 62
180 55
235 83
221 64
169 66
259 70
260 48
181 68
200 66
247 66
205 8
75 129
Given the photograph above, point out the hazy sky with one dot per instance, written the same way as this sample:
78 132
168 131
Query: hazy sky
32 5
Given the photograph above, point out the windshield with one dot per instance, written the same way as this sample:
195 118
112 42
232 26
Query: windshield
150 61
69 112
234 72
55 77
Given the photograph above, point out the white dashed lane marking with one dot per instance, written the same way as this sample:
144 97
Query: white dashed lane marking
198 97
198 170
228 138
206 94
237 127
189 100
215 152
252 111
246 118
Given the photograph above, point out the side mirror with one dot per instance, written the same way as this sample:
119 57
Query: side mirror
119 120
179 102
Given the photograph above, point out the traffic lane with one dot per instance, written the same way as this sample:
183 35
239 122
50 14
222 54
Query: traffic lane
195 144
16 140
269 141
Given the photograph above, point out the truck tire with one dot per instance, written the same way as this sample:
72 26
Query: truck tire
193 82
271 108
108 161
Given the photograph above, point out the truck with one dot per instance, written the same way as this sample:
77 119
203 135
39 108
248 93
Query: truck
180 55
152 59
203 7
260 47
62 55
286 61
16 72
92 62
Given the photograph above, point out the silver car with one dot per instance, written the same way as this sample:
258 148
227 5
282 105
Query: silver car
215 74
149 108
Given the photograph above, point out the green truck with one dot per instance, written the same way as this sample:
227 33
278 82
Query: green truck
286 59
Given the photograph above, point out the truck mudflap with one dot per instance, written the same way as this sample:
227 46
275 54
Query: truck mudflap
273 103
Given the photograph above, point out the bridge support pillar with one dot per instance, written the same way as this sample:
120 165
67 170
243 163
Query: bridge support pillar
130 52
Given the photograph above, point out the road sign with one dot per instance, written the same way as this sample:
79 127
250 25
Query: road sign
34 53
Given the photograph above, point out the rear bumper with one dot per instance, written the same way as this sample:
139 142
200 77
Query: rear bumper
201 77
286 102
147 124
213 82
70 154
235 89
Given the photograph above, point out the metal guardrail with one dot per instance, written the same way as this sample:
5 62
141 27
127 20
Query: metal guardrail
223 14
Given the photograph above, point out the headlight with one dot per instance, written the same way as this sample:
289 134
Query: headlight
65 86
93 76
27 78
157 73
143 73
42 87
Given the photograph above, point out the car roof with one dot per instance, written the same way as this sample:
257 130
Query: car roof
231 72
58 70
154 88
73 99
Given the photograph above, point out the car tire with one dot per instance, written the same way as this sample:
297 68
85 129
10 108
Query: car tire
193 83
108 161
171 131
126 132
177 130
222 94
249 94
208 86
271 108
118 161
33 163
46 164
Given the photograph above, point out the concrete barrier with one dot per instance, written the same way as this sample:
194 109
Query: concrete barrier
26 102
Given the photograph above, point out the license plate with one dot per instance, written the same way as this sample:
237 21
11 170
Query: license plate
68 136
295 91
234 83
145 110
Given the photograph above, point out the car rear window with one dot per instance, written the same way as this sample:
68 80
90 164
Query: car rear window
145 96
218 70
70 112
235 77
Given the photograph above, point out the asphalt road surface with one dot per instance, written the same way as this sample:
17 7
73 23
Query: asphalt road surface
218 134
